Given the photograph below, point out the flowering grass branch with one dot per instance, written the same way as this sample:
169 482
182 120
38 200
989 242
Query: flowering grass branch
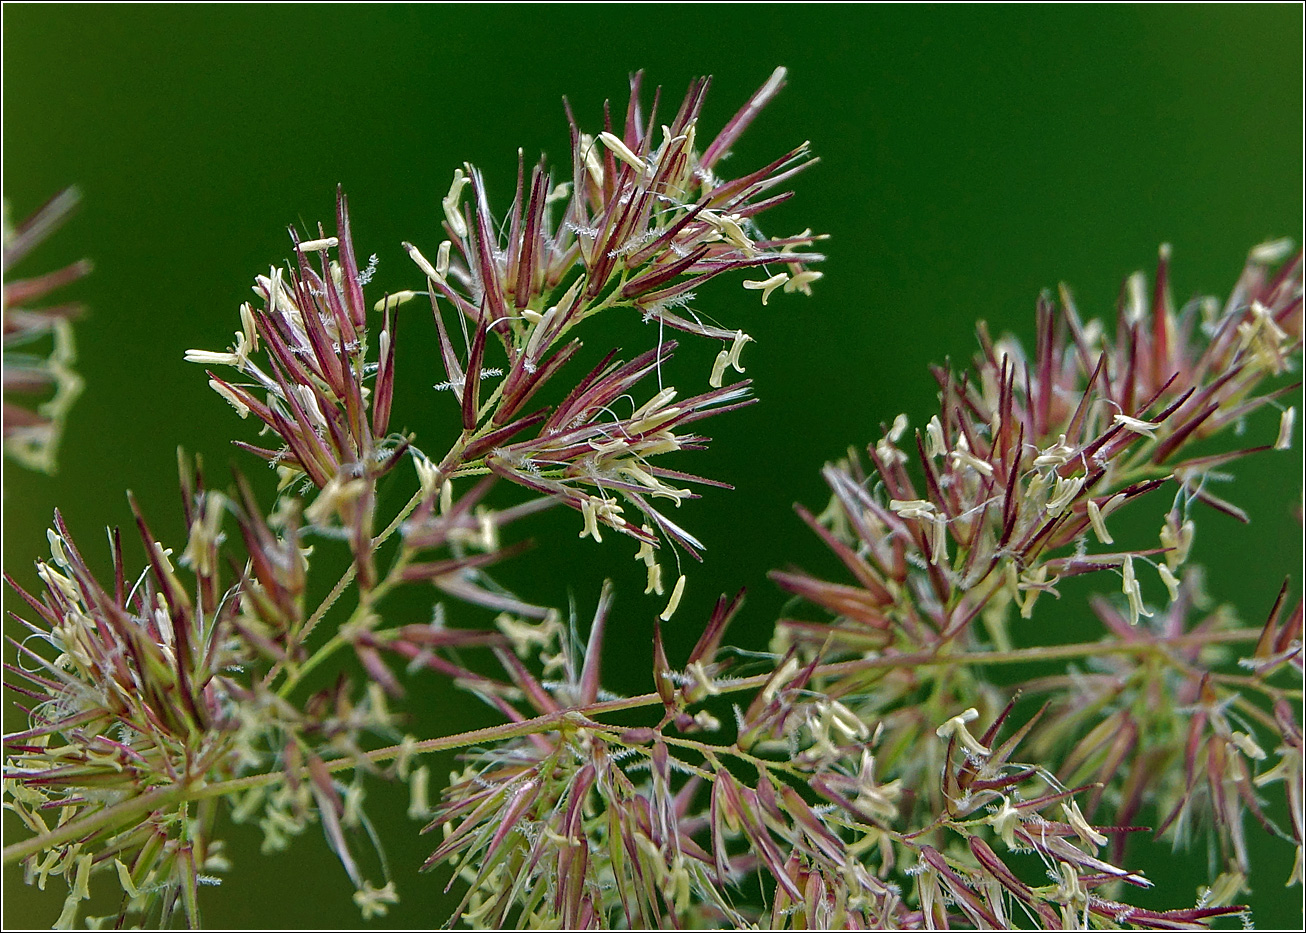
32 433
879 768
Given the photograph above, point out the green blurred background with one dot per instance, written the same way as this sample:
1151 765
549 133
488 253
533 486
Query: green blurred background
969 158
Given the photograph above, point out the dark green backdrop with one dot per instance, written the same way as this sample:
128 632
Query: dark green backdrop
970 157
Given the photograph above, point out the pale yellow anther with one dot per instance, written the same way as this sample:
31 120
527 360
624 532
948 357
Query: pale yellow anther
646 553
591 528
487 529
41 870
374 902
271 288
706 721
719 369
674 602
308 400
568 300
956 726
801 282
538 332
1136 303
734 233
1070 891
395 300
1063 493
446 497
847 723
1029 585
125 879
872 796
912 508
355 794
317 246
654 579
79 891
727 227
286 476
1247 745
442 258
526 637
335 496
55 580
778 680
664 442
898 428
962 456
623 152
212 358
57 552
789 247
593 164
404 761
1055 454
1005 821
654 421
1285 770
702 679
668 139
419 806
650 482
1011 580
1170 580
1133 592
939 540
1137 425
652 405
1097 515
248 330
560 192
609 510
452 214
205 534
232 399
1177 540
767 286
1286 422
934 446
1099 526
1081 826
1263 338
605 448
887 453
1271 251
428 270
82 878
737 347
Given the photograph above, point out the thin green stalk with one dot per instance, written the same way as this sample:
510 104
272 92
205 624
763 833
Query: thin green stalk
345 634
336 591
156 799
1038 653
576 717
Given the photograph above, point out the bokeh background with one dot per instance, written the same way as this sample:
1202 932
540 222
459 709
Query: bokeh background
970 156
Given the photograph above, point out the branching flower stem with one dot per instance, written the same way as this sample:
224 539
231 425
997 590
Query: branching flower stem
852 763
337 591
569 719
449 466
